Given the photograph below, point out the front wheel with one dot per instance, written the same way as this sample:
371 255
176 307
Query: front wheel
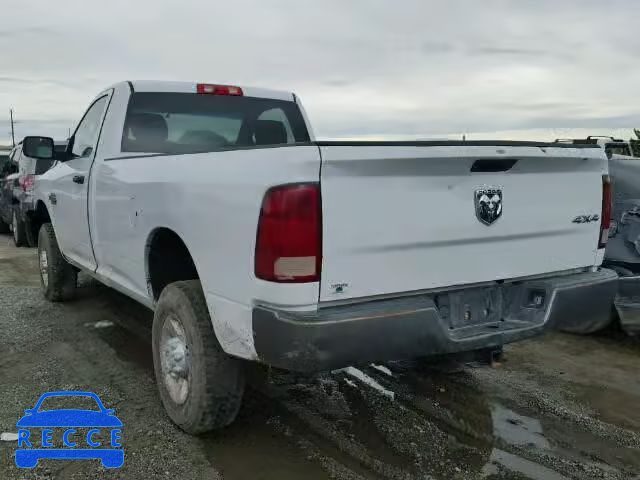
4 227
19 234
58 278
201 387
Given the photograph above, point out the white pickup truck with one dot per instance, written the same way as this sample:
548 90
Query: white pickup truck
214 206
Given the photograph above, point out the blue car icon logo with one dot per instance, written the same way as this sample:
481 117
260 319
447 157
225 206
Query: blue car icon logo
31 448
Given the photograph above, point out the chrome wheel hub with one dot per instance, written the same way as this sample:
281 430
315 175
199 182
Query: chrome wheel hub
44 267
175 360
14 227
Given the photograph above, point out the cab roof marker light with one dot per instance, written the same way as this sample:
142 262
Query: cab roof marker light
210 89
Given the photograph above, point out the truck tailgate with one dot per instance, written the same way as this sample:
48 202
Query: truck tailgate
405 218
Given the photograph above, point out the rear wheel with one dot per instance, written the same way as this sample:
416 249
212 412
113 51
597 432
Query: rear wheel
4 227
19 234
57 276
201 387
580 327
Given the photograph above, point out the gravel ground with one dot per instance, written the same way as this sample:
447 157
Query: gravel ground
557 407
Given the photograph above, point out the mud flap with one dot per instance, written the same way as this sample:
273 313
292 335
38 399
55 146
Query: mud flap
627 304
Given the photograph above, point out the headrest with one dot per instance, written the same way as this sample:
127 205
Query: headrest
270 132
147 127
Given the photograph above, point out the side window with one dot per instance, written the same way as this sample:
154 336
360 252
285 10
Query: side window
86 135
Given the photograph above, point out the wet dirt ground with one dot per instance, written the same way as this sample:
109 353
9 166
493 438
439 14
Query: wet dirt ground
557 407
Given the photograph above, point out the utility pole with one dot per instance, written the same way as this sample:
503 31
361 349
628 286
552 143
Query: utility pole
13 137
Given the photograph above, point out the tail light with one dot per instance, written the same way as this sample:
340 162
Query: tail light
289 238
208 89
606 211
26 182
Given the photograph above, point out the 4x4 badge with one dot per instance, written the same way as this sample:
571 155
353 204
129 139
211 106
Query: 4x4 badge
488 203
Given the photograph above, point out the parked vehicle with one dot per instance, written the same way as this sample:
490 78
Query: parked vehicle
8 177
214 206
623 249
29 170
613 147
622 253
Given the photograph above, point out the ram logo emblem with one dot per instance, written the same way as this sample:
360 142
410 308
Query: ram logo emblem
488 202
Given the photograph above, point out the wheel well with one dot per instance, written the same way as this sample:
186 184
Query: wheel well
168 261
39 217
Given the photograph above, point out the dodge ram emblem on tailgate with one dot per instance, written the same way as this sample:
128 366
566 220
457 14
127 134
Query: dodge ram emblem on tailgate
488 204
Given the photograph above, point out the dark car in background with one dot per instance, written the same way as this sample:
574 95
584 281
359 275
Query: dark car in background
623 248
19 205
8 176
622 253
613 147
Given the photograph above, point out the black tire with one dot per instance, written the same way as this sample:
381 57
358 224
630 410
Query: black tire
4 227
31 234
19 234
61 277
215 380
580 327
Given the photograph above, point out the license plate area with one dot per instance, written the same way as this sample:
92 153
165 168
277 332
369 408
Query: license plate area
473 307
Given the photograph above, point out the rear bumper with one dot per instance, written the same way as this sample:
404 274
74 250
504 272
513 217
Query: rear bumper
408 327
627 304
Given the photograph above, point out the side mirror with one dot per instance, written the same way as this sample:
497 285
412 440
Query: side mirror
38 147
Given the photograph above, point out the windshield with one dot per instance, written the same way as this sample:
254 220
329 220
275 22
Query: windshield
191 123
42 165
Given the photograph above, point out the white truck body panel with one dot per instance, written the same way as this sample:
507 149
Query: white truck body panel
396 219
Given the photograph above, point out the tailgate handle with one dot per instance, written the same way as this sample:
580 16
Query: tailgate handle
493 165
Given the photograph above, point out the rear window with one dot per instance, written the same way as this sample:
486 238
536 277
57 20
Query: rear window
190 123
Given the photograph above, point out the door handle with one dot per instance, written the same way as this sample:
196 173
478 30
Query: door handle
78 179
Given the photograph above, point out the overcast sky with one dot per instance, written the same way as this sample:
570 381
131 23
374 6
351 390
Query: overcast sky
363 68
